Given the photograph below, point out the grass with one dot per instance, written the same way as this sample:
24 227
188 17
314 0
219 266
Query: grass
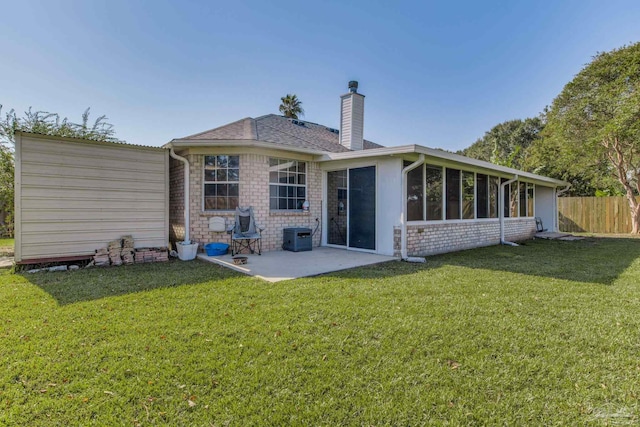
541 334
6 247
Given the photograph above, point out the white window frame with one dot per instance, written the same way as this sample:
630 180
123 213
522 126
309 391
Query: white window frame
287 185
205 182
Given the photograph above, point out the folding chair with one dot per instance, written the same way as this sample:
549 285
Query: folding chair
539 227
245 233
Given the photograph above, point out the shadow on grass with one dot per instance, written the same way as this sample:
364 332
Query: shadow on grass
95 283
591 260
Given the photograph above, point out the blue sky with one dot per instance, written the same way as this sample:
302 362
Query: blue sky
434 73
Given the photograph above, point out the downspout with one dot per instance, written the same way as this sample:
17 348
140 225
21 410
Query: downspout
556 227
403 216
186 194
501 209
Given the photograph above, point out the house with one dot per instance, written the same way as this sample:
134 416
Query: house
73 196
406 200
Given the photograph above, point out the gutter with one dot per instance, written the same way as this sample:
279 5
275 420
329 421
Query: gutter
189 143
501 209
173 154
444 158
556 226
403 221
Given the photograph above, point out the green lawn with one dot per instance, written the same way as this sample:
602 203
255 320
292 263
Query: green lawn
543 334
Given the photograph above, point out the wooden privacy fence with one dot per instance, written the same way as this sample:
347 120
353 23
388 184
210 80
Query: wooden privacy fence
594 214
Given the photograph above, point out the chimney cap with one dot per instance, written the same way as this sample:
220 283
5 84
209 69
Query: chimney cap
353 86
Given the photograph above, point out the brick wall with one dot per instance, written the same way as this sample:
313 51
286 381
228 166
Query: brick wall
516 230
439 238
254 191
397 241
422 240
176 200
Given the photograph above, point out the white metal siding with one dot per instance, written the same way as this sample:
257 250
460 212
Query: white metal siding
74 196
357 126
545 206
389 200
352 121
345 122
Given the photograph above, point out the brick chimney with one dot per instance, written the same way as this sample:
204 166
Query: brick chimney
352 118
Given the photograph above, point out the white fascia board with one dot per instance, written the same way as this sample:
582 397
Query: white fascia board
372 152
443 155
185 143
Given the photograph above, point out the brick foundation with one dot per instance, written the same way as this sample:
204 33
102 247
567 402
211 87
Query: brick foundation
432 239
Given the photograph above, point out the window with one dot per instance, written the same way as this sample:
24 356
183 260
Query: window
487 196
415 193
494 189
513 201
482 182
433 192
505 197
523 199
530 199
468 195
453 193
287 184
221 182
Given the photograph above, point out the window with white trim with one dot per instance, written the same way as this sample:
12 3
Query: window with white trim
530 199
453 193
523 199
434 192
487 196
415 192
513 200
287 184
468 195
221 182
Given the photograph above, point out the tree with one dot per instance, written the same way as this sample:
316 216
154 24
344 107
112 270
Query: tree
43 123
507 143
291 106
595 121
6 191
588 177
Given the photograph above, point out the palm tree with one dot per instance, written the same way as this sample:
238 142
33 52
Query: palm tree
291 106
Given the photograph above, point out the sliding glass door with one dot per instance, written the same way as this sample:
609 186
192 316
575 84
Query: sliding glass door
337 204
351 208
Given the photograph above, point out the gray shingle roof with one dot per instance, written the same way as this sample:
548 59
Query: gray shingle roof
279 130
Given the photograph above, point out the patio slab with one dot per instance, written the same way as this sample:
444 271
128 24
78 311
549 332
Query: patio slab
549 235
275 266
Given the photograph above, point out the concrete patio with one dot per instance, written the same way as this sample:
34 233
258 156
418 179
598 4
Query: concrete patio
275 266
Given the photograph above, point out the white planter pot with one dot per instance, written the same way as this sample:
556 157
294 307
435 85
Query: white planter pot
187 252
